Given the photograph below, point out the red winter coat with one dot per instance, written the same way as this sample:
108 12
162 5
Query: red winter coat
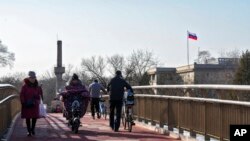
30 91
75 89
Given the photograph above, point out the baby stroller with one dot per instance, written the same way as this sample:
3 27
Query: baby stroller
75 106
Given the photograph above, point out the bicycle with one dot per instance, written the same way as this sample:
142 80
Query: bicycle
127 117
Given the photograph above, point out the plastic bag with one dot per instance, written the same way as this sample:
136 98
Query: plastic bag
42 110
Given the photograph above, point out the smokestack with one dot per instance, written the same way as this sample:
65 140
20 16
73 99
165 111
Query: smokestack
59 69
59 53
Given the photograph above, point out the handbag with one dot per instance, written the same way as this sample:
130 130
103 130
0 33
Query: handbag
30 103
42 109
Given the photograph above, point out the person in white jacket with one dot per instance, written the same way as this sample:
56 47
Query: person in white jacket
95 93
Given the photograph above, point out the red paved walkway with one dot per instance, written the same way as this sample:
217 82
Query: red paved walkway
54 128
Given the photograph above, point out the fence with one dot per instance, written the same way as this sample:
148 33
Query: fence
199 115
9 106
6 90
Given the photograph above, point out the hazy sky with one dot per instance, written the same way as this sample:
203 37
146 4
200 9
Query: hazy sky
104 27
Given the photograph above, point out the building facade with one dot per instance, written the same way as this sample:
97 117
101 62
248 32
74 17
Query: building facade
221 73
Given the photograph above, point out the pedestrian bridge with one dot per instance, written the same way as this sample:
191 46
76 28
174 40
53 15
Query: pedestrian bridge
162 112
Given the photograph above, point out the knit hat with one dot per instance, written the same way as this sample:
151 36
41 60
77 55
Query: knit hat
32 74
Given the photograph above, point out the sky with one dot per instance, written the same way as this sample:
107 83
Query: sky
30 29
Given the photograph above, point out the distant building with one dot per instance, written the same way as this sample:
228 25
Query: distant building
161 75
221 73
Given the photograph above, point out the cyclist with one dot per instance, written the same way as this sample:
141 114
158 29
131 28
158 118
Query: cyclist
75 86
116 87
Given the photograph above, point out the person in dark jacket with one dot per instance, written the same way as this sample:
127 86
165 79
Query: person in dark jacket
116 88
30 96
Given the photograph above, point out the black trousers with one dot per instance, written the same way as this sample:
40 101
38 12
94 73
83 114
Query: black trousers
115 106
95 106
29 126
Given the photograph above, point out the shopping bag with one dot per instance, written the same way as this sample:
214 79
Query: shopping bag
42 110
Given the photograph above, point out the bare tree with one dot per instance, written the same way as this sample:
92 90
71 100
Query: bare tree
204 57
69 72
235 53
138 64
83 76
95 66
116 62
48 74
15 79
6 58
134 68
48 81
129 70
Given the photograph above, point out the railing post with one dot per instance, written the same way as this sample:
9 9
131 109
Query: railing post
221 122
138 108
160 117
150 103
168 115
179 127
192 133
205 122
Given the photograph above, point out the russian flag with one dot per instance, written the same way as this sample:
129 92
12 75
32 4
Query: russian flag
192 36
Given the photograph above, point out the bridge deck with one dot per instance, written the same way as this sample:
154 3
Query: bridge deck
54 128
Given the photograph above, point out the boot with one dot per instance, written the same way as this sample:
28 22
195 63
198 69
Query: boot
28 127
33 126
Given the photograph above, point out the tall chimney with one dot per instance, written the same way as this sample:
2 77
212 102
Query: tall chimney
59 53
59 69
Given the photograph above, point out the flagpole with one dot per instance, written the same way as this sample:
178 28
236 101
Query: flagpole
198 55
187 50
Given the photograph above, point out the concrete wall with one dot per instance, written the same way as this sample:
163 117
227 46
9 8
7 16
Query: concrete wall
187 78
196 74
215 76
165 78
207 73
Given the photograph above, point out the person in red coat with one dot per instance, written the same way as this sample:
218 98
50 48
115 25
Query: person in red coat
30 96
75 87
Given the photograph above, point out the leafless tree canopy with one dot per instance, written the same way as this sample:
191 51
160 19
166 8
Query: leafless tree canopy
235 53
138 64
116 62
6 58
48 81
15 79
84 77
95 66
141 61
68 72
204 57
134 67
